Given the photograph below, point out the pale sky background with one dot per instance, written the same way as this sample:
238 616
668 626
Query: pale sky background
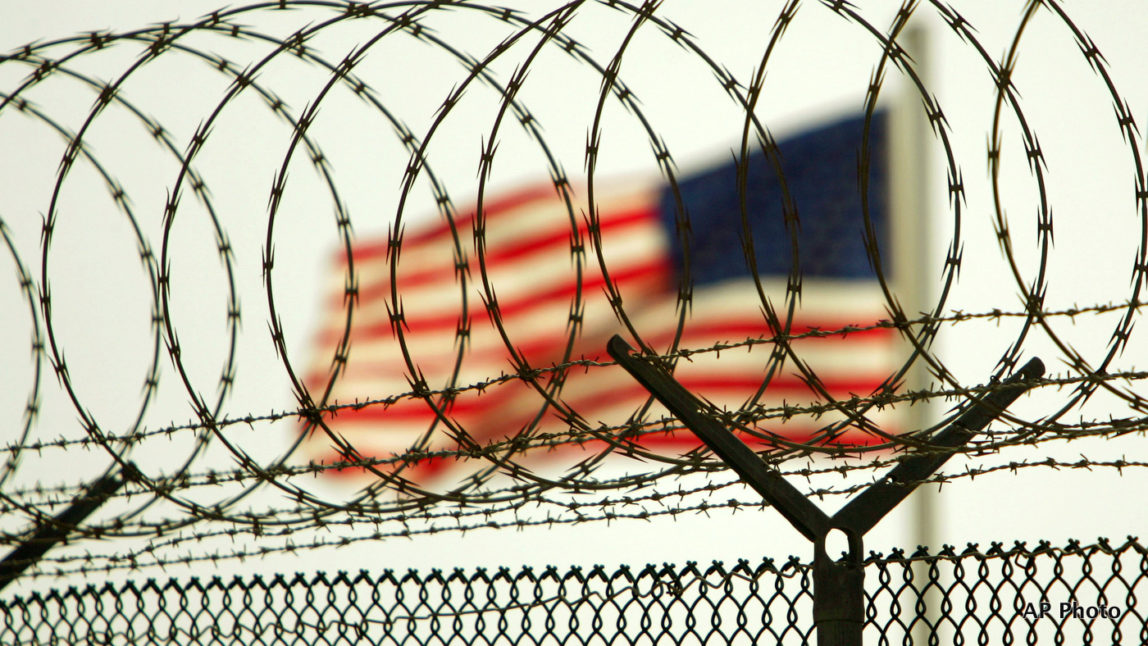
101 310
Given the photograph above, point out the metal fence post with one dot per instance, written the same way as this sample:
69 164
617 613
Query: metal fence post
838 586
54 530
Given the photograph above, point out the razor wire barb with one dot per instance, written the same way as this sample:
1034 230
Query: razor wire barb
169 503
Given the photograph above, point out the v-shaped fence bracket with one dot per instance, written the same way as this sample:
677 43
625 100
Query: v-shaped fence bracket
838 586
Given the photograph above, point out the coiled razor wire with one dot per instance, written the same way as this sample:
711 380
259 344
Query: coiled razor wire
214 488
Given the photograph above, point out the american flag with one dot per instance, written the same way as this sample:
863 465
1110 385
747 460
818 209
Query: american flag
525 287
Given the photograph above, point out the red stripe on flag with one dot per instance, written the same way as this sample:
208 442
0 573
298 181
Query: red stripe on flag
654 272
546 243
369 250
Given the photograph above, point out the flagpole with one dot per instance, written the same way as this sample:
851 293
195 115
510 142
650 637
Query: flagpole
913 271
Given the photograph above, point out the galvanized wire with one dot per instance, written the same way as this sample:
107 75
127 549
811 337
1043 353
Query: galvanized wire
1072 594
212 490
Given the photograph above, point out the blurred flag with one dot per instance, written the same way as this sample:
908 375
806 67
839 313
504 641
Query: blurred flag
551 309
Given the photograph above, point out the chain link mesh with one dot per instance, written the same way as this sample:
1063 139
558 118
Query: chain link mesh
1073 594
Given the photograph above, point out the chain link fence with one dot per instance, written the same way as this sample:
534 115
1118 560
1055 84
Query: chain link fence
1074 594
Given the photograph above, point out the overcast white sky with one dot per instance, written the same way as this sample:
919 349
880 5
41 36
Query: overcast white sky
101 309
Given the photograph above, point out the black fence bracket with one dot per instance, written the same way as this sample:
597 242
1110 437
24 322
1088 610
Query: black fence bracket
838 585
54 530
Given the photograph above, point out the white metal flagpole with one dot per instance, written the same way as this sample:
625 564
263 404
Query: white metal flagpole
913 271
